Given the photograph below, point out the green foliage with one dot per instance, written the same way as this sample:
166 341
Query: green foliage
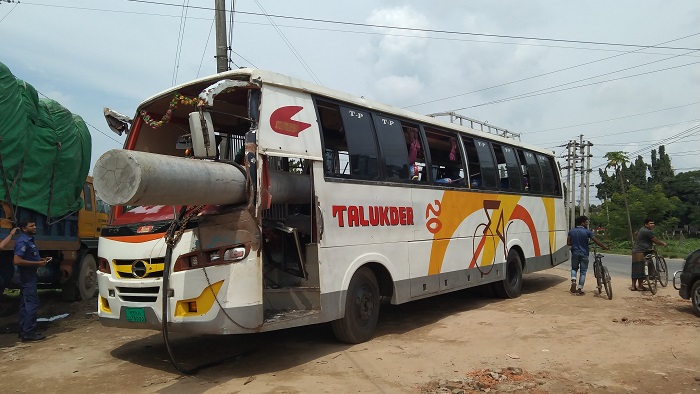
686 186
654 204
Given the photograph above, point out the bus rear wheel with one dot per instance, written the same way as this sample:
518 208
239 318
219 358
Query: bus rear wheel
512 284
361 309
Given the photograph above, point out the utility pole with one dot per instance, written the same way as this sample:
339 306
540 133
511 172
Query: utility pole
583 178
588 178
221 44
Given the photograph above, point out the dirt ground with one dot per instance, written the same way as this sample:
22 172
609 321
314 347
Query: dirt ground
546 341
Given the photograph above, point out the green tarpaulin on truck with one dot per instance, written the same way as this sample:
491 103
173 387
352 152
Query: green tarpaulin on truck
44 151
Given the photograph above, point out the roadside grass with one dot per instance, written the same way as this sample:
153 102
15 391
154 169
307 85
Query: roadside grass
676 249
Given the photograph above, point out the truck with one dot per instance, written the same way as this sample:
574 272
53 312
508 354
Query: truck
44 161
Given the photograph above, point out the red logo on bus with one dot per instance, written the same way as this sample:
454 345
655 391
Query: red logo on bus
281 121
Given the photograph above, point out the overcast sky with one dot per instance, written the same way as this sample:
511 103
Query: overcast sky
584 62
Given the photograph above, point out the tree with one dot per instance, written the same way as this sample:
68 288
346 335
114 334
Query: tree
686 186
617 160
642 204
660 169
637 174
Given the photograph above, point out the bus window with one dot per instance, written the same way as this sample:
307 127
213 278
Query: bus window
508 168
394 150
446 166
549 180
483 176
531 171
416 154
349 142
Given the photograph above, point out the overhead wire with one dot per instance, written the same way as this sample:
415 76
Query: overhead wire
9 12
229 43
549 73
330 21
611 119
290 46
180 39
206 45
341 31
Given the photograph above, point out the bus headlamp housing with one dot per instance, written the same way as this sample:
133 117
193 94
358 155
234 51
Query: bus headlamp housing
209 257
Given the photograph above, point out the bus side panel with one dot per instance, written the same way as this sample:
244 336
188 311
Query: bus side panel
288 124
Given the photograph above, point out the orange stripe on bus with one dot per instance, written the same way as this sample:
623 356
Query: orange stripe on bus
136 238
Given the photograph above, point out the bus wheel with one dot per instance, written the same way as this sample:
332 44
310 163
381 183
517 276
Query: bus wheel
87 277
361 309
512 285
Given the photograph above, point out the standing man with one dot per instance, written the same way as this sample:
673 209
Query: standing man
645 239
27 260
578 240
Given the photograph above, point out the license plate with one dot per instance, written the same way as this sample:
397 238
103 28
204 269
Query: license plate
135 315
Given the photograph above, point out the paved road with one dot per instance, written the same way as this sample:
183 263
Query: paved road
620 265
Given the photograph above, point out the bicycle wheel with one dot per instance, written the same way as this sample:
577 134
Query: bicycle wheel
662 270
651 278
598 276
606 282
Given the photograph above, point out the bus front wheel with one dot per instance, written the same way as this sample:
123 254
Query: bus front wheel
361 309
512 284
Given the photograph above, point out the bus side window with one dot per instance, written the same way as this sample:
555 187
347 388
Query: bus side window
508 168
533 178
487 164
395 156
350 148
417 171
549 180
446 162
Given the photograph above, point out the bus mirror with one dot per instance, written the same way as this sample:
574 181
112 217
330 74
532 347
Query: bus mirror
202 129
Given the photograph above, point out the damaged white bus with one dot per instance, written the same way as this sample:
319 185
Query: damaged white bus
251 201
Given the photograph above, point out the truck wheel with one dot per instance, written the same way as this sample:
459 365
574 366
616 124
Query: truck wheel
361 309
695 297
87 277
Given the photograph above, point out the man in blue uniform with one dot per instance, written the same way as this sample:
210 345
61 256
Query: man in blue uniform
27 260
578 240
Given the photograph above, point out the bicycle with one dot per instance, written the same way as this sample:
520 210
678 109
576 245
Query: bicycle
661 267
655 270
602 275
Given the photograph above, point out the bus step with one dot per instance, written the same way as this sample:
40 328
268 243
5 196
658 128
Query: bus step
293 298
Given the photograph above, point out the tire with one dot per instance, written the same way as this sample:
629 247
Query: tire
695 297
606 282
86 281
651 278
599 279
361 309
662 270
512 285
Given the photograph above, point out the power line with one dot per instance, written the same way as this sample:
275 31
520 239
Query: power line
9 12
329 21
611 119
666 141
206 45
544 91
346 31
180 39
551 72
634 131
289 45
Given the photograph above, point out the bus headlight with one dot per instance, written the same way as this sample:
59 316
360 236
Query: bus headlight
209 257
103 265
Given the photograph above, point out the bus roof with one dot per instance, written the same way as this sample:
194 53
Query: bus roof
276 79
